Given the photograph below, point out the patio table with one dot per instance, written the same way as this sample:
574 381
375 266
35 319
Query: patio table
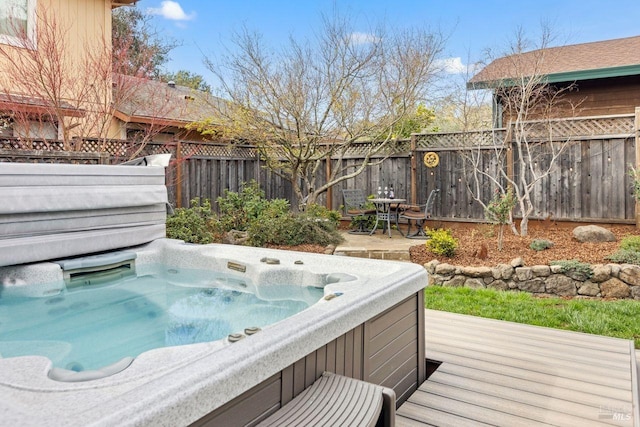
386 213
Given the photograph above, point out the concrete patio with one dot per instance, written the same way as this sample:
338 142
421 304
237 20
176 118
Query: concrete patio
377 246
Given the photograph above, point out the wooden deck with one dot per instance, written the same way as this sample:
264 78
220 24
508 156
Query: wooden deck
507 374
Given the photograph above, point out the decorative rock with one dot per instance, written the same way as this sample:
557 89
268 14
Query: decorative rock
562 285
476 271
524 273
589 289
600 273
593 234
534 286
630 273
577 275
474 284
517 262
615 269
542 279
445 269
235 237
614 288
456 282
555 269
499 285
541 270
431 266
435 280
502 271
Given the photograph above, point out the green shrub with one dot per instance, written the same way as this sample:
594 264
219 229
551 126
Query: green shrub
265 221
498 211
193 224
291 230
319 211
315 230
441 242
630 243
277 230
238 210
540 244
575 269
625 256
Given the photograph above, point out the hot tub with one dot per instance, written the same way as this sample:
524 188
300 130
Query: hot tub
369 325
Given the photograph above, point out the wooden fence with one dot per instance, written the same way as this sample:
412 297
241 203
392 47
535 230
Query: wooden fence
589 183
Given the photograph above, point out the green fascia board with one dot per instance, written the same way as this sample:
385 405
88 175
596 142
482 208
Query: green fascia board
571 76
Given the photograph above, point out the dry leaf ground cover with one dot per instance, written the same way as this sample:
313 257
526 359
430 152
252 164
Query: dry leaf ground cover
471 237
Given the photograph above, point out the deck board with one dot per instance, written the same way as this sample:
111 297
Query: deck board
508 374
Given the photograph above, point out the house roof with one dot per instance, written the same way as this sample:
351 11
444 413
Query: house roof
139 100
118 3
602 59
36 105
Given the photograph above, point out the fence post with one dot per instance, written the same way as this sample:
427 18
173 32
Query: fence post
414 170
508 136
637 134
329 203
178 174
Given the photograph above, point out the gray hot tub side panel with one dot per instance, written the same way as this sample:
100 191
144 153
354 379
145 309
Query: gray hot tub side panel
50 211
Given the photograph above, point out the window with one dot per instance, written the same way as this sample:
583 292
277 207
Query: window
17 20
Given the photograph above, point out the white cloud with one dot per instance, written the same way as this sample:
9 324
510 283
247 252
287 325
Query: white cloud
452 65
171 10
362 38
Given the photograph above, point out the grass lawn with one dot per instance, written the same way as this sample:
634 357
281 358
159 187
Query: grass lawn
620 319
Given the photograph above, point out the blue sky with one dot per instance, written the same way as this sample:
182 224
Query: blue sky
472 26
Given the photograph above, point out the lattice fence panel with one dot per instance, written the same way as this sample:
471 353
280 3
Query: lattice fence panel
580 128
218 150
38 145
456 140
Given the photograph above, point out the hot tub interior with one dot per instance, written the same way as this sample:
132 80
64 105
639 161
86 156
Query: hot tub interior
87 327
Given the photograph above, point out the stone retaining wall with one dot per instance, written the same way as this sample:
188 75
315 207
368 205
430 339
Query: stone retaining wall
607 281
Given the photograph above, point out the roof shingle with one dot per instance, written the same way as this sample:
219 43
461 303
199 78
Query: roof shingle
575 58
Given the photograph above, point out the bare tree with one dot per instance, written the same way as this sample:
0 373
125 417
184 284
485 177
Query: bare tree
321 98
43 76
460 109
528 104
71 96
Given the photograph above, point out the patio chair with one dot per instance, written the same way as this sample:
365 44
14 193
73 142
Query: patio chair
419 214
355 208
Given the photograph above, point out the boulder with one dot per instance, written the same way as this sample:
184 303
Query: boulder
502 271
524 273
601 273
562 285
457 281
474 284
589 289
476 271
615 288
499 285
517 262
235 237
533 286
630 274
445 269
593 234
